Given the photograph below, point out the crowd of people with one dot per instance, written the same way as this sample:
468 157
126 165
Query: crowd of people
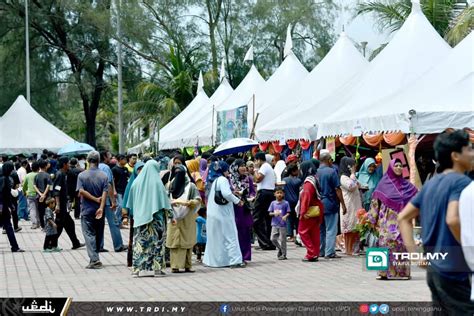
218 208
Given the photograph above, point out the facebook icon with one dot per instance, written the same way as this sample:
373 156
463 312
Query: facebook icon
225 308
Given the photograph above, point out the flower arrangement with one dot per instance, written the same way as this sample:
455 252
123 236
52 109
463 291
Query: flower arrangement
368 235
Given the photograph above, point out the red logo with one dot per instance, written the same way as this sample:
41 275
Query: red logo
364 308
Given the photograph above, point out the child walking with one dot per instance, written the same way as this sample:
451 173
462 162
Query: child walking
50 228
201 237
280 211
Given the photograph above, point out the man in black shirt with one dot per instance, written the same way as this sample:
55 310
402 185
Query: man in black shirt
121 176
60 192
72 175
42 188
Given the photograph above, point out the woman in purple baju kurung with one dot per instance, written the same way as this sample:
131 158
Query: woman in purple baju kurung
242 185
390 196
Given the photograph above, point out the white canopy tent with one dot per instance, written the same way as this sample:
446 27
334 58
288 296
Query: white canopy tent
283 118
286 79
414 50
32 135
203 133
185 135
442 98
181 121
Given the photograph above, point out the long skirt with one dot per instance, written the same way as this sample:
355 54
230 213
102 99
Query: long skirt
310 236
148 246
181 258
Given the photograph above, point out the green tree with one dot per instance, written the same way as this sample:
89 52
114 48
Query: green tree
71 28
452 19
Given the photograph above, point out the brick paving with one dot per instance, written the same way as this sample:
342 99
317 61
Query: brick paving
35 273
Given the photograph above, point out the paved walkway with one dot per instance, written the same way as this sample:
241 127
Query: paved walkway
35 273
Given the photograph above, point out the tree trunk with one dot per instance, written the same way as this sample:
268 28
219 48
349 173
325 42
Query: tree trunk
90 131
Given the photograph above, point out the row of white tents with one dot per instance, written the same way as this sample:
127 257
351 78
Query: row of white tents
417 83
25 131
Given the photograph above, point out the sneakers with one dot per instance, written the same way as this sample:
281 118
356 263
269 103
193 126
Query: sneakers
48 250
18 229
122 248
103 250
34 226
18 250
146 273
78 246
95 265
282 258
56 249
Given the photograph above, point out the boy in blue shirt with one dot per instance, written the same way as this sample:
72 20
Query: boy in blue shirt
201 236
279 210
438 206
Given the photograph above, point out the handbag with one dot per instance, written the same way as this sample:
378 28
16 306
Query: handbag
218 197
180 211
313 211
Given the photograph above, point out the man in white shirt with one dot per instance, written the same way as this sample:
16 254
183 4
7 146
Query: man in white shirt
22 204
265 179
466 214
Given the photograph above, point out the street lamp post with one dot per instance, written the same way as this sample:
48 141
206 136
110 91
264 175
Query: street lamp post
27 51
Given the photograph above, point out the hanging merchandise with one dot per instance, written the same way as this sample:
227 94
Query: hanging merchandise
307 154
305 144
394 139
331 146
348 140
263 146
373 139
357 154
254 151
379 157
292 143
189 151
205 148
277 147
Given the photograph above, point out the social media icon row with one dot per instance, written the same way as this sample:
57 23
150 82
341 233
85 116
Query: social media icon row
374 309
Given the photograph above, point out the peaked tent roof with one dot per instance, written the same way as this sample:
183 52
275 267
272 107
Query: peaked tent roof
286 78
184 136
199 102
413 51
39 134
340 64
442 98
177 123
203 134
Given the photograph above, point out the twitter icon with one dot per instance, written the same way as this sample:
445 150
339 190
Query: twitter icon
374 309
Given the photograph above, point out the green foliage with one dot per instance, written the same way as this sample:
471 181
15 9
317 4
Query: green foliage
444 15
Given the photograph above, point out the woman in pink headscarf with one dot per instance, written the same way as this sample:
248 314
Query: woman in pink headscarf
388 199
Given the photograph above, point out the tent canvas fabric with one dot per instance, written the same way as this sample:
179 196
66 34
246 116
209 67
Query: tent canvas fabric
286 78
413 51
181 121
33 136
203 135
186 136
284 116
441 98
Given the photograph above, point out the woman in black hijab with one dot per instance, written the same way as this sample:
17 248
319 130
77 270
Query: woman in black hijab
6 204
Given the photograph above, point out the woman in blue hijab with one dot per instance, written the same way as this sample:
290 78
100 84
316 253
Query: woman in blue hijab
369 178
128 213
151 209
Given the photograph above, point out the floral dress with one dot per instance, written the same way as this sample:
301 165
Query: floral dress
148 244
385 222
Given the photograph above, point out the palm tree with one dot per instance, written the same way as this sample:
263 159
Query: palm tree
164 99
452 19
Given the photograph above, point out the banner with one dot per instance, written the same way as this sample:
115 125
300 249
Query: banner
331 147
232 124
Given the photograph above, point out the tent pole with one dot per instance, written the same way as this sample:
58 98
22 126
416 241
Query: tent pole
212 131
253 112
119 81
